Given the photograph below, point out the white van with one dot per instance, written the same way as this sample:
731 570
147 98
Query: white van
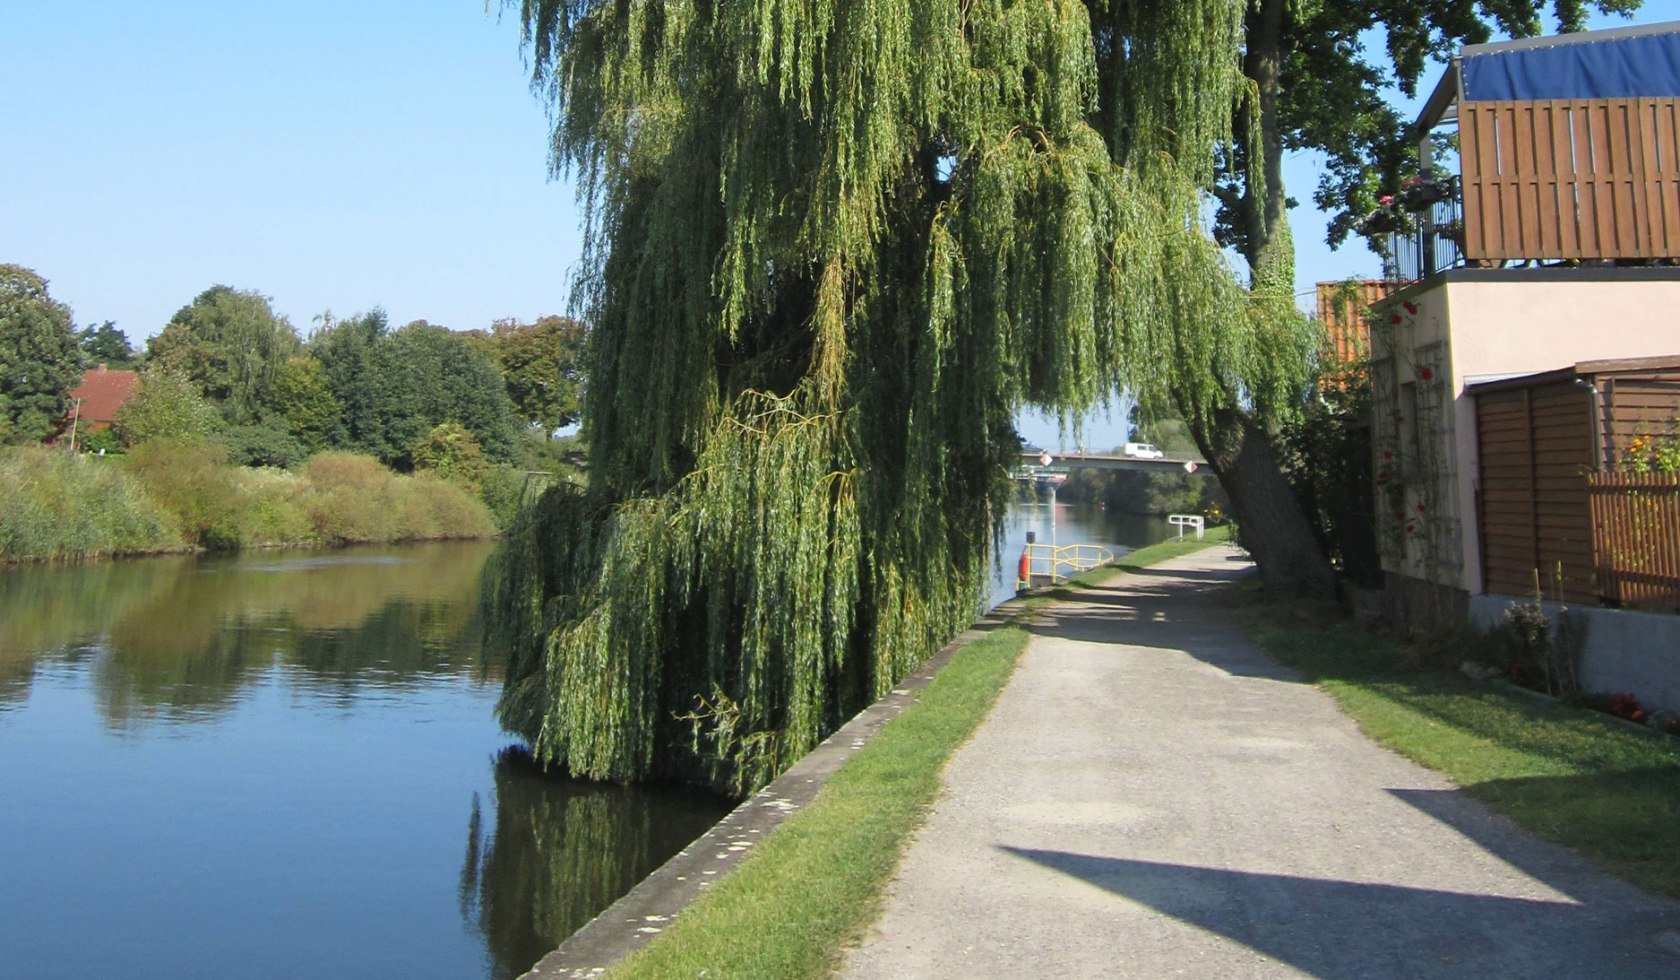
1143 450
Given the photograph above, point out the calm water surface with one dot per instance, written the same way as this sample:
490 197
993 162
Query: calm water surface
286 765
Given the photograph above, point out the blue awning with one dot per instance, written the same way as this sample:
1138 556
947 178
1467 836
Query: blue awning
1612 65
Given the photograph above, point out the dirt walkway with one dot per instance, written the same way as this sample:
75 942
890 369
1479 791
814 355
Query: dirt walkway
1153 796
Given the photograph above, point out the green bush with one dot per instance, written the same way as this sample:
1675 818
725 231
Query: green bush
166 406
351 498
450 451
98 442
434 508
61 506
192 482
506 489
272 514
169 495
267 444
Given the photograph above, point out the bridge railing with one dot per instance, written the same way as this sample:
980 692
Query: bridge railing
1048 564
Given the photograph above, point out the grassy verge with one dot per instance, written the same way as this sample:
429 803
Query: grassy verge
812 887
1567 774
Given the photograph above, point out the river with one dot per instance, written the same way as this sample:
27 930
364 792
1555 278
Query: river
287 764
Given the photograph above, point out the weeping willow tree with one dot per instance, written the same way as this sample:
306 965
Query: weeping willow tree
832 248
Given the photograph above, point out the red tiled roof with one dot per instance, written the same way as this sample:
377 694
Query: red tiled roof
102 392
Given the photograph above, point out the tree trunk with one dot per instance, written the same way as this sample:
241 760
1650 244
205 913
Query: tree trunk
1269 518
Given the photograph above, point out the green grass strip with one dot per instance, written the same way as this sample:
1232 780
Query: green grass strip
812 887
815 884
1567 774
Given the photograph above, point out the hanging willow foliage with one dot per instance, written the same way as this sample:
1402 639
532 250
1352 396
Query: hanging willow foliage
832 247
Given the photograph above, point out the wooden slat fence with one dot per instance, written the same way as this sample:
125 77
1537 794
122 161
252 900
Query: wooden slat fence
1636 538
1596 179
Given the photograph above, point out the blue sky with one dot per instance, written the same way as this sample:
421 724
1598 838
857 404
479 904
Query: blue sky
332 155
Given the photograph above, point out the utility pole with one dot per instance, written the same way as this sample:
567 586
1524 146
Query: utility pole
75 418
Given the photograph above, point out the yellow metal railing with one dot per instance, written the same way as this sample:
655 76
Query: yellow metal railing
1042 563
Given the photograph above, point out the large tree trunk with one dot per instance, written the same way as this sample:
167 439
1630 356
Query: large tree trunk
1269 517
1273 527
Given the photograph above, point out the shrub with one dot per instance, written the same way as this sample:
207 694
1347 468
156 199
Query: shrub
352 498
263 445
506 490
64 506
272 513
166 406
450 451
349 498
191 481
434 508
98 442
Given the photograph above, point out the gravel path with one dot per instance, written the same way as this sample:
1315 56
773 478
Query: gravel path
1153 796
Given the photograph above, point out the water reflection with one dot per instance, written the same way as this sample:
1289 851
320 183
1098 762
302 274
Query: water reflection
178 639
561 852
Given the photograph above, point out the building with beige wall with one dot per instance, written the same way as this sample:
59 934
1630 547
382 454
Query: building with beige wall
1434 338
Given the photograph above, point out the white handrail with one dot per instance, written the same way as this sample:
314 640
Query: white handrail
1182 521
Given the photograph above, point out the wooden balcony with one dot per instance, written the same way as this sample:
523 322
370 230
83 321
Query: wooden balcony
1568 152
1589 180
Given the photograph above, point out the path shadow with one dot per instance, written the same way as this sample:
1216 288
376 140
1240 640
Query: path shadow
1614 804
1331 928
1170 612
1191 574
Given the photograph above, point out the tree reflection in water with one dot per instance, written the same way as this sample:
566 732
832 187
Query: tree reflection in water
562 851
180 638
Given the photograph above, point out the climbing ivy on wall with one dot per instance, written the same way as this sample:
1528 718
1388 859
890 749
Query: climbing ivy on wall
831 249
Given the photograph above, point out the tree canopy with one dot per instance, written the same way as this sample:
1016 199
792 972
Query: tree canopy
167 405
542 365
394 386
105 344
832 248
231 345
40 360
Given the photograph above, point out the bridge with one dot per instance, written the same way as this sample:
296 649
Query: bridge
1046 464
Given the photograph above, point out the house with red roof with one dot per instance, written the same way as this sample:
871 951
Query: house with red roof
95 401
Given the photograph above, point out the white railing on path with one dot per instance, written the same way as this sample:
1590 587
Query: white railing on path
1182 521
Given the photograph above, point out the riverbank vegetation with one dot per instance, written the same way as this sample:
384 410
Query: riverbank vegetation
1570 775
811 888
176 496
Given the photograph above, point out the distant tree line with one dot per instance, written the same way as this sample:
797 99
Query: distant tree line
227 367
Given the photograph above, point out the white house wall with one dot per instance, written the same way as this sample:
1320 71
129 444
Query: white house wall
1501 323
